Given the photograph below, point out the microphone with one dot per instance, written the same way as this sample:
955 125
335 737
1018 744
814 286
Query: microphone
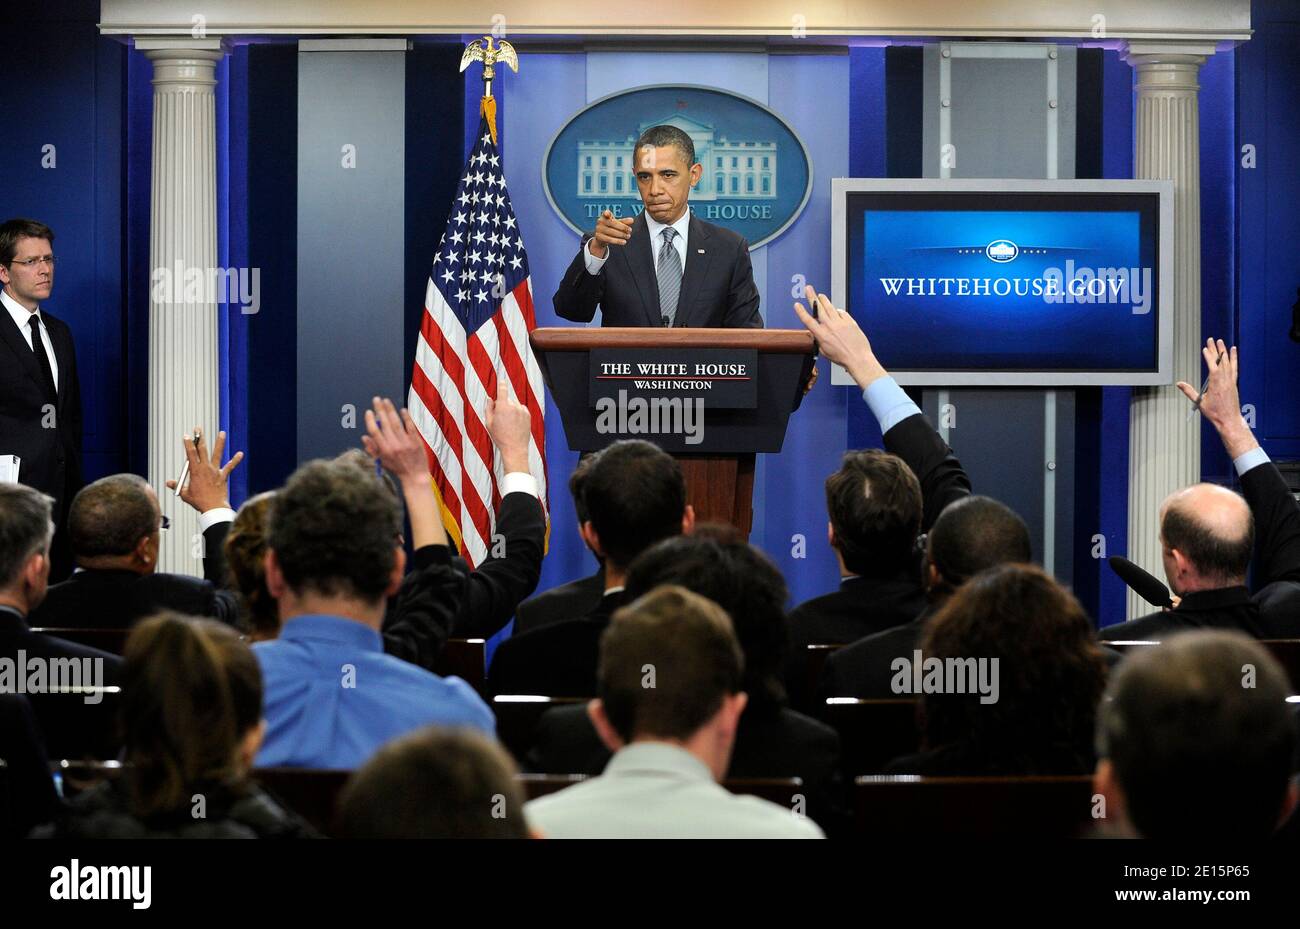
1145 585
667 323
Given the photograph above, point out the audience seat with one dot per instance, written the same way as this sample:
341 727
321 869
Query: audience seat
872 732
1286 651
112 641
778 790
467 660
814 660
517 716
76 729
973 807
311 793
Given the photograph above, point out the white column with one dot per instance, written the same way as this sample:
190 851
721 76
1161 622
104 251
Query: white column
1164 445
182 237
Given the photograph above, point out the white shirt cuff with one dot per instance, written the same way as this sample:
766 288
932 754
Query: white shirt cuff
519 482
222 514
593 263
1252 459
889 403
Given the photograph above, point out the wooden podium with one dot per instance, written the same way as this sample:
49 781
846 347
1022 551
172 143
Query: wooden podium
753 380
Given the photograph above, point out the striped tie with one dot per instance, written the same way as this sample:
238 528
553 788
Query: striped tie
669 273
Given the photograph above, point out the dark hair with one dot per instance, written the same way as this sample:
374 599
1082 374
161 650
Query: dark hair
874 502
1050 673
191 690
1215 557
686 642
973 534
435 784
334 531
25 528
578 485
111 516
659 136
740 579
635 496
245 549
12 230
1180 722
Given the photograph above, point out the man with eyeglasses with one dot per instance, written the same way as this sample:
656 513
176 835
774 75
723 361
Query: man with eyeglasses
40 397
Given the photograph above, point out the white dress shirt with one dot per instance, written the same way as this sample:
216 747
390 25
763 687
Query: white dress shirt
20 316
655 229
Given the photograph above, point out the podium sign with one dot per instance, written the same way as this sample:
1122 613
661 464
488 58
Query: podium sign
711 398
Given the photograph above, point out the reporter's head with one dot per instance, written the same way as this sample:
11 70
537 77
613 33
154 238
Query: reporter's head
1207 536
635 496
115 523
874 504
26 531
333 537
971 535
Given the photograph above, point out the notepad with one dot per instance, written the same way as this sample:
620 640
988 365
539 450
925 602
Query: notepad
9 465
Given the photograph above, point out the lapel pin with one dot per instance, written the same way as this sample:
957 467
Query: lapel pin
700 251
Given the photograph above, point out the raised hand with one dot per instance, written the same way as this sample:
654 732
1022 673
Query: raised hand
207 487
393 440
510 426
840 338
1221 403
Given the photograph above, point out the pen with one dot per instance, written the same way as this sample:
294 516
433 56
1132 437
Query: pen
1196 404
185 472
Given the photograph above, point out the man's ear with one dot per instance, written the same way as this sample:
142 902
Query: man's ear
697 171
604 728
398 572
36 572
592 539
688 520
276 585
144 550
933 577
830 534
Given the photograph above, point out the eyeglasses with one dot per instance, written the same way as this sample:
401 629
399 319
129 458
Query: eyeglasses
166 524
31 262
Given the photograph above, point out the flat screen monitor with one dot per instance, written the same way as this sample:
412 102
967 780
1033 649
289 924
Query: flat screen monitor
1008 282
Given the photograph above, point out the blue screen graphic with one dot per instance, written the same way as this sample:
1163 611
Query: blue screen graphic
1006 290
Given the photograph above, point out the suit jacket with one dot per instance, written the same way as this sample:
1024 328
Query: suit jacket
115 599
557 660
70 728
718 288
861 607
497 585
31 798
863 669
1274 610
770 742
51 458
576 598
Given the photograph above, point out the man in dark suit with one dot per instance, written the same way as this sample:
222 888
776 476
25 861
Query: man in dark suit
635 496
40 396
1207 533
664 267
576 598
69 726
115 526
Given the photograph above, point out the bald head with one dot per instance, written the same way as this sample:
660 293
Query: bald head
1207 535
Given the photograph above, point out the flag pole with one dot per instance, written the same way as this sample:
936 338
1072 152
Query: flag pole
483 50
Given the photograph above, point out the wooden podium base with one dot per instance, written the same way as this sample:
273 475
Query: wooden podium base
720 488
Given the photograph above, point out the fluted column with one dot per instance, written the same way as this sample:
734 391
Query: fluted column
183 342
1164 445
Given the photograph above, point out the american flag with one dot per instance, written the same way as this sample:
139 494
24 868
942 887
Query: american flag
478 311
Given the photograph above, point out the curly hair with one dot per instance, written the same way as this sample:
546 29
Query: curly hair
245 549
1051 673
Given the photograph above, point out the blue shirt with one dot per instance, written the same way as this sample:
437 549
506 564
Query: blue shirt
332 697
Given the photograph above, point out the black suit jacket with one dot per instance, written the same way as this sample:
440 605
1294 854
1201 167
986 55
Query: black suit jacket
718 288
71 728
109 599
863 668
576 598
498 585
1274 610
51 458
28 798
557 660
861 607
